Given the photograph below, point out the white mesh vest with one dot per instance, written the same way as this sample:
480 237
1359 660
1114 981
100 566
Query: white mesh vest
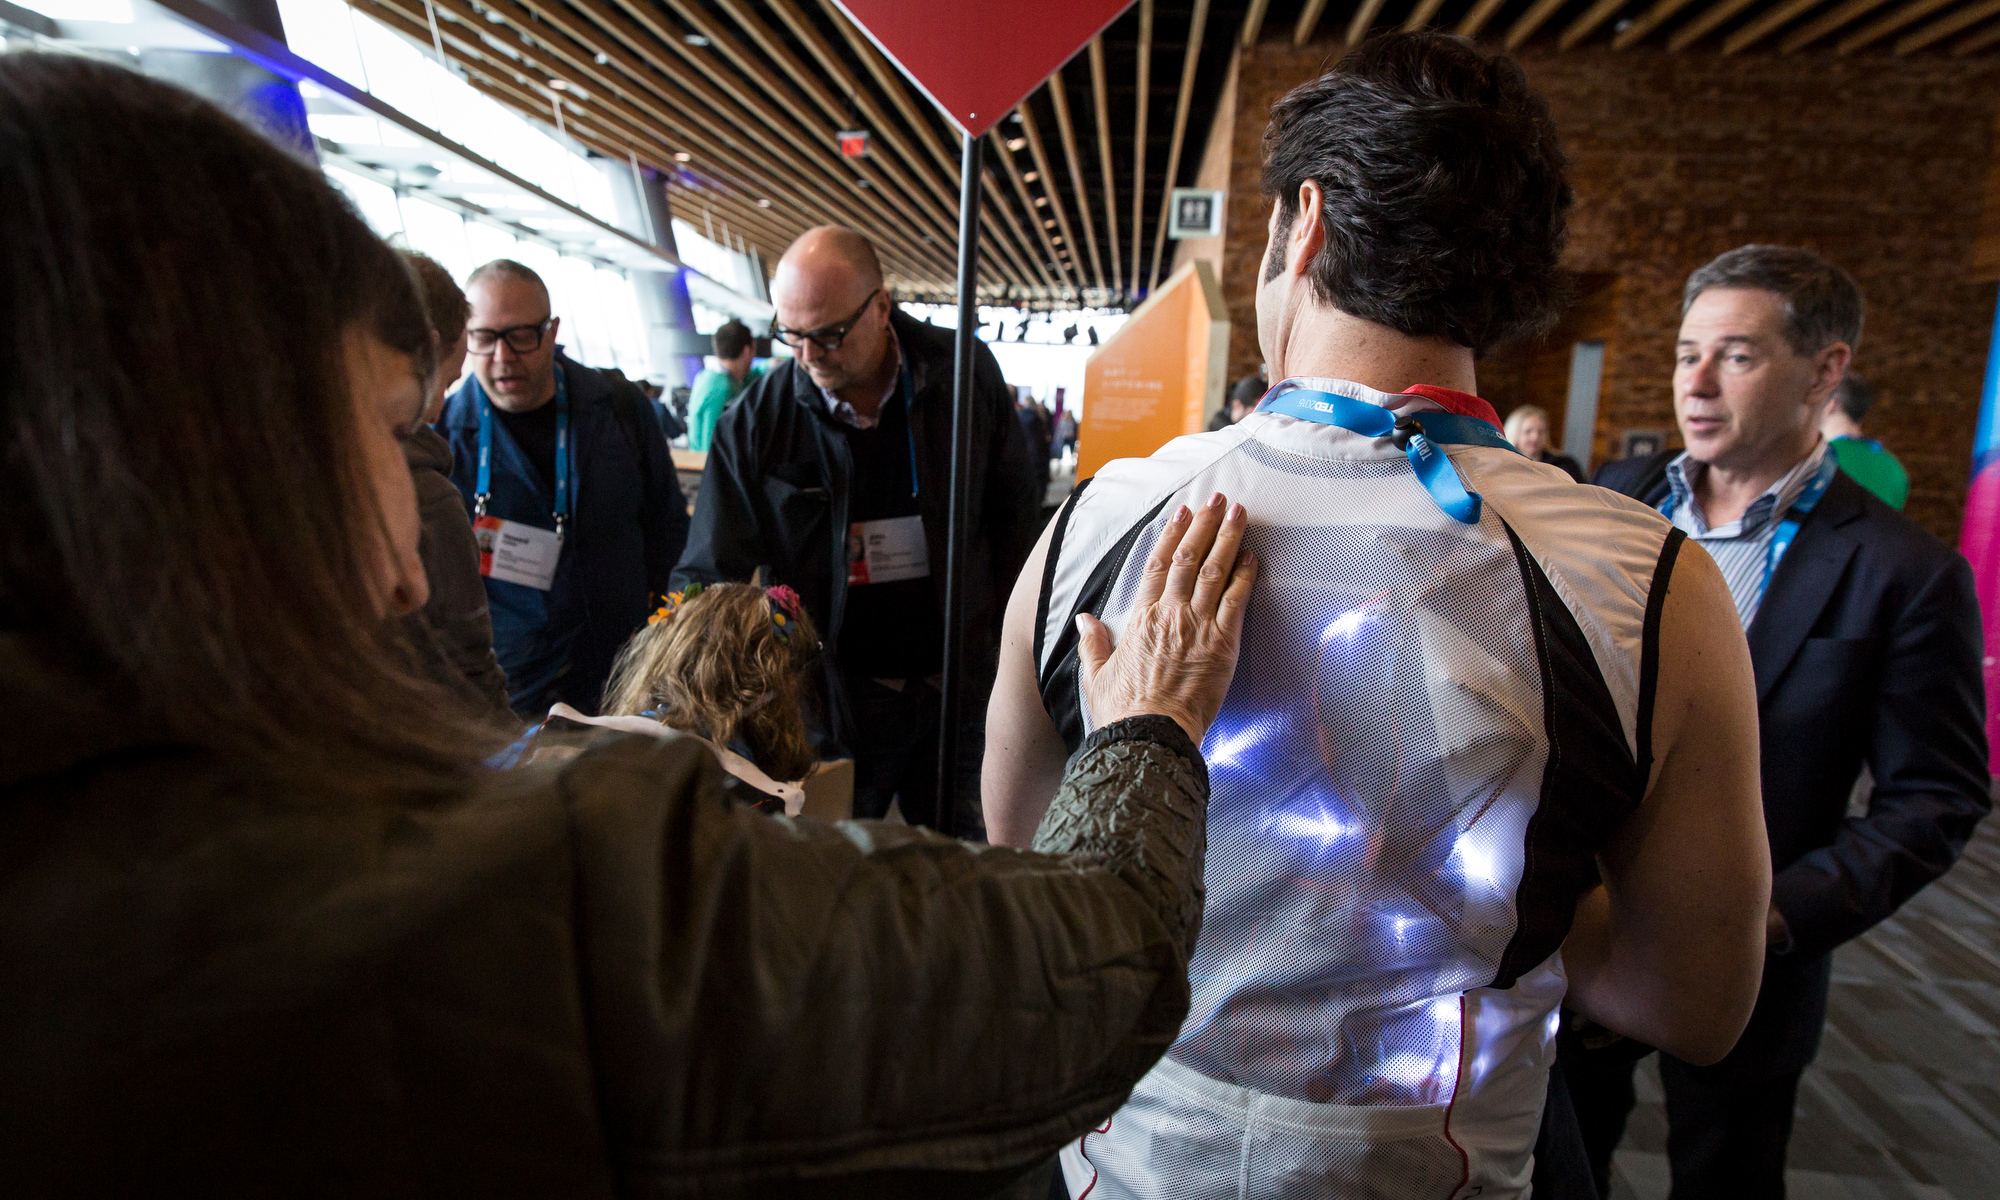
1433 727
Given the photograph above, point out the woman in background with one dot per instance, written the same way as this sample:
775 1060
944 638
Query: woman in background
1528 428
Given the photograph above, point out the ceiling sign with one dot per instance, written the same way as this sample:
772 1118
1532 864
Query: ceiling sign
853 143
977 59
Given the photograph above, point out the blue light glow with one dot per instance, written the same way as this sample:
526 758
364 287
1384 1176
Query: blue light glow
1320 825
1346 625
1226 748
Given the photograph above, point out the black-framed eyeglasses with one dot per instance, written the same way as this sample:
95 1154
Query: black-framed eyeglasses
521 339
826 337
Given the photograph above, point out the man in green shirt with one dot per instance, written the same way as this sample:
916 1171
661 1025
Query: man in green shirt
1862 457
713 390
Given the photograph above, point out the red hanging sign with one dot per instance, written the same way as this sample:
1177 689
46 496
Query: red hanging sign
977 59
853 143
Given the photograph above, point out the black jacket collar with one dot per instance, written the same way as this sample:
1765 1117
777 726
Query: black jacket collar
1805 580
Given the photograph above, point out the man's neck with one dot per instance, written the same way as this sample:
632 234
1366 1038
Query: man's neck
865 395
1330 344
1727 492
739 372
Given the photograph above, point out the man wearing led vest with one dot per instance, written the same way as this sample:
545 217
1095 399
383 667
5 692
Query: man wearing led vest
1864 634
572 492
1468 689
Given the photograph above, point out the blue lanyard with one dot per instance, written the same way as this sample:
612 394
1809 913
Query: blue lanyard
484 488
1788 529
909 423
1421 435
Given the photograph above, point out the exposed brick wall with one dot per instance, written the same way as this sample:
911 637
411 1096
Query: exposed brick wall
1878 163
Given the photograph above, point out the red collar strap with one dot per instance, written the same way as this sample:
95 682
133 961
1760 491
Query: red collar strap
1464 404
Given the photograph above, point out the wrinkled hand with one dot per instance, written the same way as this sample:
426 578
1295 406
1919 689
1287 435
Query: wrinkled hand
1179 649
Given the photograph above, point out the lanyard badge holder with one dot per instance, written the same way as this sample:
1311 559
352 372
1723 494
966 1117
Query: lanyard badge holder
1421 436
510 550
1781 539
894 548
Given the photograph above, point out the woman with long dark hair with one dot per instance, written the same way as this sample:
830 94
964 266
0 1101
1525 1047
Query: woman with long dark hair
267 922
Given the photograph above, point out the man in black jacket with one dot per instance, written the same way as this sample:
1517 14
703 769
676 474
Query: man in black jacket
832 473
1865 637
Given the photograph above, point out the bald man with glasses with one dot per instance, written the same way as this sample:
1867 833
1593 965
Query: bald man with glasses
832 474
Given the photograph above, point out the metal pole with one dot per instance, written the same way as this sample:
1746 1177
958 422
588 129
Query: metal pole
961 484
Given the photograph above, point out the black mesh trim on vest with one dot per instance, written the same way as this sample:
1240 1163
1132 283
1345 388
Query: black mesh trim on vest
1049 570
1649 653
1059 679
1587 785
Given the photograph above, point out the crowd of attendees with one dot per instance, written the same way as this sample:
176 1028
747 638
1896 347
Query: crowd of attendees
405 780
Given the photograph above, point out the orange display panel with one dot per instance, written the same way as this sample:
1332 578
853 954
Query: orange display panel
1159 376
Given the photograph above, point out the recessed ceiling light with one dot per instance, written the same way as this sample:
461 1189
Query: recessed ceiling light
603 59
696 40
763 203
1031 176
683 156
1049 224
1016 143
1041 202
558 85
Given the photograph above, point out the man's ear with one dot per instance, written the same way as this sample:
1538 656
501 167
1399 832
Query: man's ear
1828 368
1308 229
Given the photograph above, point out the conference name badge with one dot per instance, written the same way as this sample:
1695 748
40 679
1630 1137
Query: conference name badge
887 551
517 553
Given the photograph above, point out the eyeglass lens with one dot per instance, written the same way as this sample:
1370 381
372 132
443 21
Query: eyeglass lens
521 339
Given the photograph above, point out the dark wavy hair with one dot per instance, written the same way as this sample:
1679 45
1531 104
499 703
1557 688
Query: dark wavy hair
1445 203
187 516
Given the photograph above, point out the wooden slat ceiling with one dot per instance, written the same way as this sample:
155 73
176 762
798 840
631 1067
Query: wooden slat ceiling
738 102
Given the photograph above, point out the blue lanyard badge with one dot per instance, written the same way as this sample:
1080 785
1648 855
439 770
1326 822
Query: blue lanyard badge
484 487
1422 436
909 422
1781 540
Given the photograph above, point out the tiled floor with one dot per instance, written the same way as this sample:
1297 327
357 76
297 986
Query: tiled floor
1904 1100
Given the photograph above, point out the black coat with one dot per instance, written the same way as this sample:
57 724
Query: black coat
1867 651
775 492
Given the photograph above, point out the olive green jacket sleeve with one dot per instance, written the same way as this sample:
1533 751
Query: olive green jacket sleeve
785 1006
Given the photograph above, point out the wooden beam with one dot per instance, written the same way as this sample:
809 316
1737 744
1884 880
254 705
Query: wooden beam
1197 26
1364 16
500 78
1139 137
1585 25
1767 24
1421 16
696 132
1973 42
725 121
1308 22
1059 96
1839 18
1013 173
1647 22
809 142
919 168
1964 18
1253 22
1475 20
1527 23
1100 95
1915 10
1709 18
1046 174
892 84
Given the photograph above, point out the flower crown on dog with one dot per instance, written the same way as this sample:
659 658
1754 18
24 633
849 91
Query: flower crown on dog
786 607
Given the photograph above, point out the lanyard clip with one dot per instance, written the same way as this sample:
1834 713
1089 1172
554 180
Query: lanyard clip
1405 429
479 506
561 521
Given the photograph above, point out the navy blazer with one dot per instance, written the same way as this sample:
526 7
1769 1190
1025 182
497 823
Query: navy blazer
1866 650
628 524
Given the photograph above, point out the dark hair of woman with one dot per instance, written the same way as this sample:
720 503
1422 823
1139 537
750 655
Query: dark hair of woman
188 519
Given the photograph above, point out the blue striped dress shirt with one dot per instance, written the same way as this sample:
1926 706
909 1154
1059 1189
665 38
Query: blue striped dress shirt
1740 547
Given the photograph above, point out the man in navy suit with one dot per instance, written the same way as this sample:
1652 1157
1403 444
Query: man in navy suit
1865 638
